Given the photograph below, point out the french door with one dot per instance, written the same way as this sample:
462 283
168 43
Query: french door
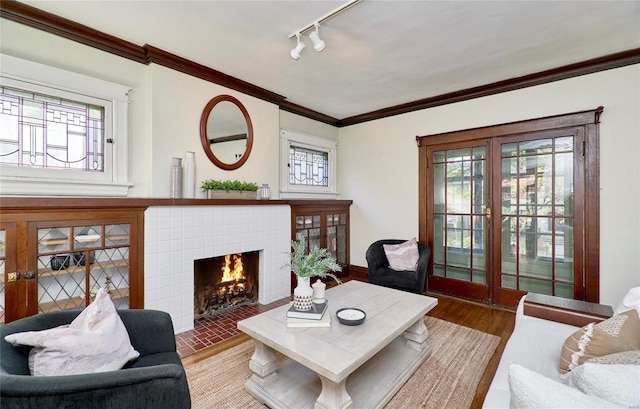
460 211
505 213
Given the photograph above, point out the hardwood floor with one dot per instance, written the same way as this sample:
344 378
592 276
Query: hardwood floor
481 317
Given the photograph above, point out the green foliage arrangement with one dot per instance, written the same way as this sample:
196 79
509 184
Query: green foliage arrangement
228 185
317 263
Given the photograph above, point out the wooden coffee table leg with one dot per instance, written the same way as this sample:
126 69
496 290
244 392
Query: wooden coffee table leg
416 335
264 363
333 395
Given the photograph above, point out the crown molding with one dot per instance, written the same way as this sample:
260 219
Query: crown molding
164 58
607 62
39 19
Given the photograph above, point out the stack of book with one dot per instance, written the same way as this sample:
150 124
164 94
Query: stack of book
317 316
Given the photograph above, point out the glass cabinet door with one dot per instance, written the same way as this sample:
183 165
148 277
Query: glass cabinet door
337 236
74 262
308 228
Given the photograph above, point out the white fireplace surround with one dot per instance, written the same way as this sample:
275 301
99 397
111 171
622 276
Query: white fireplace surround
175 236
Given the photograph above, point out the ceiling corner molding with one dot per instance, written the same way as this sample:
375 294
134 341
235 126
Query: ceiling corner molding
308 113
39 19
175 62
594 65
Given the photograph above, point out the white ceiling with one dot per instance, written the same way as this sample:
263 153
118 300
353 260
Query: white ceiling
378 53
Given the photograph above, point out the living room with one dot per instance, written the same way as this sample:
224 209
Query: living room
378 167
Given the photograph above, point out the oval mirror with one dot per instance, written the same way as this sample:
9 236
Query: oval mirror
226 132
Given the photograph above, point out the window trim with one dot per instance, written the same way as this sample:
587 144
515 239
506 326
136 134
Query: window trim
24 74
295 138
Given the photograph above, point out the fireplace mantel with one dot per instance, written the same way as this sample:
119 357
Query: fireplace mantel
16 202
57 202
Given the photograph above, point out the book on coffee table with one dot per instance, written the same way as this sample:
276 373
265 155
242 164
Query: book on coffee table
315 313
325 321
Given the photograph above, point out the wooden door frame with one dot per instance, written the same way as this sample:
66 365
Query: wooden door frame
589 120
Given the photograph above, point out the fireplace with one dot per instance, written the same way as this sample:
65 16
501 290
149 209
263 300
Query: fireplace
224 282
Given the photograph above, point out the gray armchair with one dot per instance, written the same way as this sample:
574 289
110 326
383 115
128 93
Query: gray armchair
156 379
381 274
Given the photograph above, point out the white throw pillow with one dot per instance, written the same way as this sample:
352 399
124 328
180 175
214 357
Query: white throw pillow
403 256
630 301
96 341
619 384
530 390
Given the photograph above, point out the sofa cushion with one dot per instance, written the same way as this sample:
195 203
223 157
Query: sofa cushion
617 334
623 358
403 256
630 301
617 383
96 341
531 390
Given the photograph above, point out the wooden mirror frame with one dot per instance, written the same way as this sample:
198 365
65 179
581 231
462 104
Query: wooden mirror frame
204 137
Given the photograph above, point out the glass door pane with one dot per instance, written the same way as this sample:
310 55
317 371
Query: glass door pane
459 215
537 216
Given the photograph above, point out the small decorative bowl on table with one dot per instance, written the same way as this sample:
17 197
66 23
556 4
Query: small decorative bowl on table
351 316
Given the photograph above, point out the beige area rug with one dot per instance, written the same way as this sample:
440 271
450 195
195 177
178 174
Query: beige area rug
447 379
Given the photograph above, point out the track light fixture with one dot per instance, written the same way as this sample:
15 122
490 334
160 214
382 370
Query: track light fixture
297 50
318 43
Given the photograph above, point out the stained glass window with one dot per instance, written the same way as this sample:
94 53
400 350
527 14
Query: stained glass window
42 131
308 167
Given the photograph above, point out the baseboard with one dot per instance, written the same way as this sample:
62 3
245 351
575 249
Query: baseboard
358 272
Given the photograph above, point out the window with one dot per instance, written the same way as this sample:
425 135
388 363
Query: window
308 165
61 133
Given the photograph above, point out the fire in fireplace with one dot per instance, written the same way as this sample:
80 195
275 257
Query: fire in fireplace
225 281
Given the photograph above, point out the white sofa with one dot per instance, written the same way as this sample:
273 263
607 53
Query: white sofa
536 345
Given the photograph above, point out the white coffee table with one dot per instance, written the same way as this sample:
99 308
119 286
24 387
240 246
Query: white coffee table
340 366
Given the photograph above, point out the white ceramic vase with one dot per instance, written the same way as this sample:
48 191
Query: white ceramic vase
303 294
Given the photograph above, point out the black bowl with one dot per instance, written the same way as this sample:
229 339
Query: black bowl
351 316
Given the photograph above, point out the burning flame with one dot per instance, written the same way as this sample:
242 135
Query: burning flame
237 273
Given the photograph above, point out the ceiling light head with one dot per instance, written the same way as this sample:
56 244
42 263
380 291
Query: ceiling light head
297 50
318 44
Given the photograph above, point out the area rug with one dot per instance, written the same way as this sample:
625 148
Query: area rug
447 379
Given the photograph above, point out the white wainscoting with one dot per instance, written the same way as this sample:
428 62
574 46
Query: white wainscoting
175 236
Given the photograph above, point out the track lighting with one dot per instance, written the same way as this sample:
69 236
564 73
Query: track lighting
297 50
318 44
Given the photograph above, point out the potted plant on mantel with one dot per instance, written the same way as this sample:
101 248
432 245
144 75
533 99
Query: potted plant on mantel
229 189
318 263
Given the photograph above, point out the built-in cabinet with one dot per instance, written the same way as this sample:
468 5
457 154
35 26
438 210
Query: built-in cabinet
325 224
57 259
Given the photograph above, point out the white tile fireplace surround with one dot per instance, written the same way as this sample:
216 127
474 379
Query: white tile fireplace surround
175 236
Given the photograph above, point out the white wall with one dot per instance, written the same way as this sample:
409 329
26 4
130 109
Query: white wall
379 164
177 103
301 124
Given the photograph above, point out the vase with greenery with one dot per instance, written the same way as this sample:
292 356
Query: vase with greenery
211 185
317 262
